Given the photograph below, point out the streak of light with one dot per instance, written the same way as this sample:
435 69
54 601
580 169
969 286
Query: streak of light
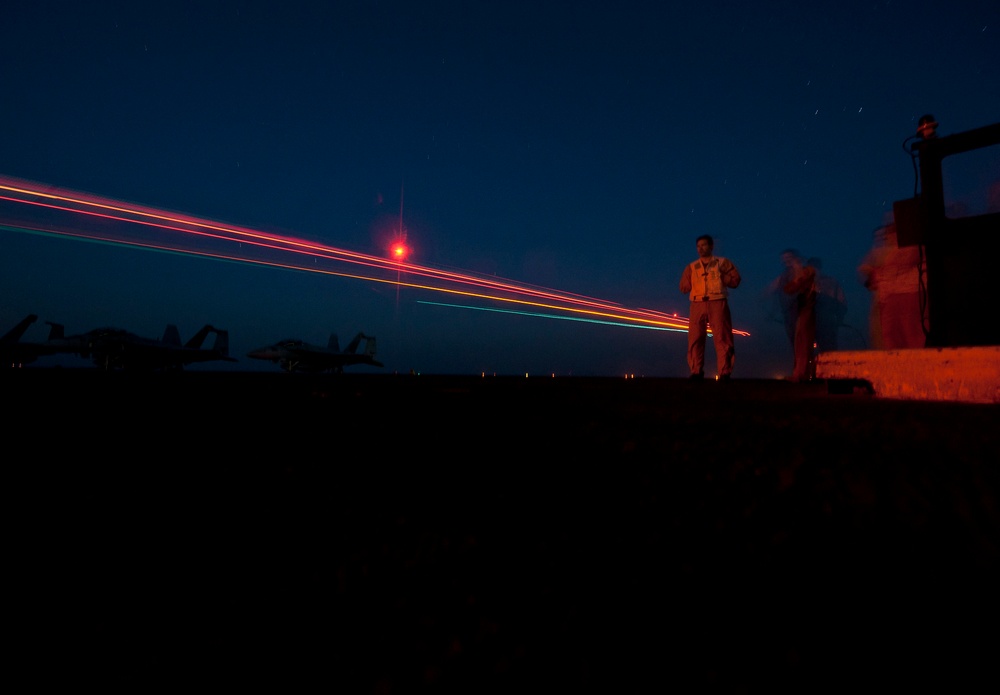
681 329
62 213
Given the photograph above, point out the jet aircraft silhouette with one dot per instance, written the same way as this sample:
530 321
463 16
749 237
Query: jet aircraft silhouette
114 348
294 355
117 349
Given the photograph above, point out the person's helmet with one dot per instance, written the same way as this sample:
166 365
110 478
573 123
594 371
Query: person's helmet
927 126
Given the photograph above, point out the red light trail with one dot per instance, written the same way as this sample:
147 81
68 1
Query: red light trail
27 207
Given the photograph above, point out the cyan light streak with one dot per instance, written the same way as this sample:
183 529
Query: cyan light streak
552 316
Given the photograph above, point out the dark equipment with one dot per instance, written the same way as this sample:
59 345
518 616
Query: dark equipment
962 252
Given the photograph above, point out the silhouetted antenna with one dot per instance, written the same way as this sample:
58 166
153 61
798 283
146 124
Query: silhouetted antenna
400 239
402 234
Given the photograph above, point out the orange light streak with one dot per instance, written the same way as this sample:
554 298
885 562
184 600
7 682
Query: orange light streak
173 232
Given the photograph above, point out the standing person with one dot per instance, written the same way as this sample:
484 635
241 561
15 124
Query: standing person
787 303
802 285
707 281
896 276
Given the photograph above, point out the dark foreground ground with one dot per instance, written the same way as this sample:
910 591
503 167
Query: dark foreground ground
392 534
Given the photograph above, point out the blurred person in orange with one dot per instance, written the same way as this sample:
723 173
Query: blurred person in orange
800 282
897 278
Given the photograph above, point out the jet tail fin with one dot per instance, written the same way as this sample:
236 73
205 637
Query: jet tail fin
199 337
221 345
15 333
352 347
334 343
56 331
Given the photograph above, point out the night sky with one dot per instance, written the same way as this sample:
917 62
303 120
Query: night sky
579 146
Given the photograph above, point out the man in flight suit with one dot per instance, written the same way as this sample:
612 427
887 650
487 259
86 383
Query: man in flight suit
707 281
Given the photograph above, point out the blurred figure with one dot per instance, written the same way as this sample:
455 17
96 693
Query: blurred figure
868 275
896 277
707 281
787 304
801 284
831 308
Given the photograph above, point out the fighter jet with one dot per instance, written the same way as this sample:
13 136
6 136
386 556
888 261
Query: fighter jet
294 355
114 348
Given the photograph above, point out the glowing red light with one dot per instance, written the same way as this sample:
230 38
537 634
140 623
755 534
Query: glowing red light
399 251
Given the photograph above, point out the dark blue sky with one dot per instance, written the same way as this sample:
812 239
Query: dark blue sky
577 145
